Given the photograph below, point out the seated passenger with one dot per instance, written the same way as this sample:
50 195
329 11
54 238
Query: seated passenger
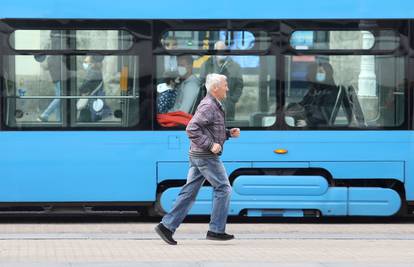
189 87
167 92
317 105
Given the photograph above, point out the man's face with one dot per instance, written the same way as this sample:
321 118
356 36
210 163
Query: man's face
221 90
184 64
87 60
220 46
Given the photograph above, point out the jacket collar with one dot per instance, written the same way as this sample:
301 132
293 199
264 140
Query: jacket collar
217 102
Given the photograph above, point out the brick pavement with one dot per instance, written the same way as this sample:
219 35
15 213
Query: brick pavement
126 244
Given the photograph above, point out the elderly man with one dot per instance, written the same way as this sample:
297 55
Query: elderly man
207 134
223 64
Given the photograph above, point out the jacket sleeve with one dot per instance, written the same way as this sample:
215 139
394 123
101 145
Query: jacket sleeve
228 135
308 97
198 125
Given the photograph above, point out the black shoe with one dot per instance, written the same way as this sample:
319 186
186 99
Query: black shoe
165 234
219 236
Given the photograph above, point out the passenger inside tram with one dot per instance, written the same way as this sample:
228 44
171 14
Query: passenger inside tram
315 109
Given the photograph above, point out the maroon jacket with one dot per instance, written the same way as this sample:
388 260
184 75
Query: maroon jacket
207 127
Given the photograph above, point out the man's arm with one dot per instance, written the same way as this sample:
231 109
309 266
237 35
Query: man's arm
195 129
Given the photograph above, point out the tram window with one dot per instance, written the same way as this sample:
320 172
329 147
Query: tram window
31 81
344 40
57 39
344 91
205 40
251 100
114 80
43 91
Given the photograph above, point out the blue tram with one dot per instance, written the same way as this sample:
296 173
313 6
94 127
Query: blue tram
117 153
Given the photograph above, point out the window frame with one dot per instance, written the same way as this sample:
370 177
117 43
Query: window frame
140 45
398 26
163 26
146 45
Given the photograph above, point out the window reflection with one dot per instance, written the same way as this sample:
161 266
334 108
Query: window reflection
346 91
58 39
205 40
344 40
45 91
102 40
108 85
251 100
32 86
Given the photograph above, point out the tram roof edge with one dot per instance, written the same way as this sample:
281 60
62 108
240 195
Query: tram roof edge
212 9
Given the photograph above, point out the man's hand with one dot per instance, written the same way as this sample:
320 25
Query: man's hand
234 132
216 148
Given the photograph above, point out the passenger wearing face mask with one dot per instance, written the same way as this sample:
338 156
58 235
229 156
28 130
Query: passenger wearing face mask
224 65
93 85
189 87
319 101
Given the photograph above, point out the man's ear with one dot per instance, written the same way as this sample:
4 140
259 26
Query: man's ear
214 89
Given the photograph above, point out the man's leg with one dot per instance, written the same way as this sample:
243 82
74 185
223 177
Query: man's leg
185 199
215 173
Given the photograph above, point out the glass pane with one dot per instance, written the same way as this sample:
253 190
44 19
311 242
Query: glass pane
31 83
57 39
110 87
386 40
347 91
206 40
103 40
344 40
43 91
38 40
251 100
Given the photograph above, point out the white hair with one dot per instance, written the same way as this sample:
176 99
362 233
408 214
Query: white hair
220 45
214 79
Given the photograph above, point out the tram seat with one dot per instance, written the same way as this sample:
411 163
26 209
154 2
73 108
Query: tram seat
348 99
337 105
201 94
262 119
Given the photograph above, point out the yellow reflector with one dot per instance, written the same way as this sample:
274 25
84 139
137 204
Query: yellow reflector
280 151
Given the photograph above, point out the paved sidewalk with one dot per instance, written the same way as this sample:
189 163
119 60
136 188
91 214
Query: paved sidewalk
135 244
